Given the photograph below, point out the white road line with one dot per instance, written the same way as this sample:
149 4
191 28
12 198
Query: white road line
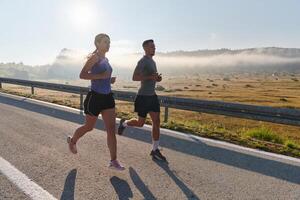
30 188
148 127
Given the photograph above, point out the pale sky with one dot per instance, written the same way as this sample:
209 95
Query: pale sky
34 31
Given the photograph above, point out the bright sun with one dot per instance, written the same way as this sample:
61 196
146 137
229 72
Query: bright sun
82 15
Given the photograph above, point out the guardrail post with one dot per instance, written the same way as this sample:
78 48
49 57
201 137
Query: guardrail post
32 89
81 101
0 85
166 114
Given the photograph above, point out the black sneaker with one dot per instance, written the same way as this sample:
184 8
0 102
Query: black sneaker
157 155
121 127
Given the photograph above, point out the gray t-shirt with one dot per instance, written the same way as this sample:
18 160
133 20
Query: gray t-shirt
146 67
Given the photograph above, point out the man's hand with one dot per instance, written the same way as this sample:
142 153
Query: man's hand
156 77
159 78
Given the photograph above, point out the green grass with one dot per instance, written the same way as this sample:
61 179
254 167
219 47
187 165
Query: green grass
265 134
291 144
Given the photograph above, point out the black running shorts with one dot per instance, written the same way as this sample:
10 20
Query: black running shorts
144 104
95 102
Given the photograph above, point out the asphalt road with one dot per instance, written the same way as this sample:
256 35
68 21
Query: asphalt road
33 140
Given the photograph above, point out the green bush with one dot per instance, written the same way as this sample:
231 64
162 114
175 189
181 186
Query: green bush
265 135
292 145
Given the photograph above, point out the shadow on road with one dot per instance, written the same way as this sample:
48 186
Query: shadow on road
69 187
188 193
140 185
122 188
272 168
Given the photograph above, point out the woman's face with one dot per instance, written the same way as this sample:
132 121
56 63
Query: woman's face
103 44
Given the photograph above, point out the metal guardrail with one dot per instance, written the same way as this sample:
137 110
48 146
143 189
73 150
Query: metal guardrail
262 113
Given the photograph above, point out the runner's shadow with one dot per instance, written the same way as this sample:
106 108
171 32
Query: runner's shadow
188 193
193 146
140 185
69 187
122 188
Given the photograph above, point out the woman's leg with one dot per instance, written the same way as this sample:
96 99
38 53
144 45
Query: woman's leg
109 118
90 122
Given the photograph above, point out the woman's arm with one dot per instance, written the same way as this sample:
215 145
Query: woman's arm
85 72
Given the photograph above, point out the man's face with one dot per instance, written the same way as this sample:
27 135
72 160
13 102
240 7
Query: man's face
150 49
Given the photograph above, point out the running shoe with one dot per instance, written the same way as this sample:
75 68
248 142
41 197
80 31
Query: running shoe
121 127
157 155
72 146
114 164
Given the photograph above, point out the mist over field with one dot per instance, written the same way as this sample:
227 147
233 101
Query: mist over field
68 63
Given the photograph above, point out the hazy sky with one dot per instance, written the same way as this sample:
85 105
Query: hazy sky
34 31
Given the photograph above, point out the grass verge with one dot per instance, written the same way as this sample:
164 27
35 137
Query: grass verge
259 138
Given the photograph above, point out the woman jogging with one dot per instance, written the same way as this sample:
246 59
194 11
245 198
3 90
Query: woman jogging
100 99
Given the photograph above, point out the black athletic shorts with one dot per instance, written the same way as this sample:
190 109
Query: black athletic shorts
144 104
95 102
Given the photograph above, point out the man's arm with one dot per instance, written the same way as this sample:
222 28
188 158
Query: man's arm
138 74
140 77
85 72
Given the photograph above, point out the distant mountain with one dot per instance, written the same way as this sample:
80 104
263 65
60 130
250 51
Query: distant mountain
257 60
68 63
21 71
66 66
270 51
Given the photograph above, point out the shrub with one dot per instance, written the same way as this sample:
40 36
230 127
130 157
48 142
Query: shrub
265 135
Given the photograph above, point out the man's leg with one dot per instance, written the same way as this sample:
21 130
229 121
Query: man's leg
132 122
155 117
155 153
135 122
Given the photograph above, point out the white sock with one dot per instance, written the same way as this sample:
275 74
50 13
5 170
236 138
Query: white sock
155 144
125 123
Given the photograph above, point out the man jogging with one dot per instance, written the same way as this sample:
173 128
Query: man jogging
146 100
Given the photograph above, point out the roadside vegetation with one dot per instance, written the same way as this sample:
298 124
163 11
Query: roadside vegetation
266 136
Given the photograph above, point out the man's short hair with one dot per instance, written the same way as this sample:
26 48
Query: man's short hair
146 42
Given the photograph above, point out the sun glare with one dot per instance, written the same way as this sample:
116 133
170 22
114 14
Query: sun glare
82 15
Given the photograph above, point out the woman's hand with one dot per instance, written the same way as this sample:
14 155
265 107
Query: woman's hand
84 74
113 80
